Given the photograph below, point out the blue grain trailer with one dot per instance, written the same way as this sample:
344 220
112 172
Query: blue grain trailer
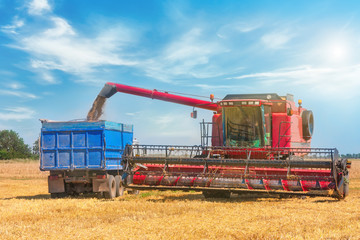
84 157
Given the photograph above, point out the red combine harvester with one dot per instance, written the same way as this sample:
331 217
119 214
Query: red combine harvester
259 143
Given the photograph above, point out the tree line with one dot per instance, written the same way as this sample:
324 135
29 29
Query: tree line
349 155
13 146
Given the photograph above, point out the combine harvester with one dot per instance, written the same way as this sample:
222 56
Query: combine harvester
260 143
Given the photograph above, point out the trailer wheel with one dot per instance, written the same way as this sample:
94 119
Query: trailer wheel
307 124
112 188
119 186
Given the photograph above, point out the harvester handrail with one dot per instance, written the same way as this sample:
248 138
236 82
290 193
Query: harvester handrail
217 148
199 155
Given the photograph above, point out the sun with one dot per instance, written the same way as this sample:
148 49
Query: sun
337 50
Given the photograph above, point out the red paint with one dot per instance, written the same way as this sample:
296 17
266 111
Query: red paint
217 130
154 94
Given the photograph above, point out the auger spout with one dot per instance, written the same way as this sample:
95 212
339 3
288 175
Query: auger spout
111 88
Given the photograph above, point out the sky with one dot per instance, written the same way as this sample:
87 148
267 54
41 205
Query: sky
55 57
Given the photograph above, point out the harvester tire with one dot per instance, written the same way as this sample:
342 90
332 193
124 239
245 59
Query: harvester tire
307 124
112 188
119 186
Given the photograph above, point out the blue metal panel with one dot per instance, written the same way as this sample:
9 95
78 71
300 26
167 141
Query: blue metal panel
79 158
79 139
95 139
49 140
64 139
127 138
113 126
95 159
63 126
127 128
113 139
113 159
48 158
83 145
114 148
64 158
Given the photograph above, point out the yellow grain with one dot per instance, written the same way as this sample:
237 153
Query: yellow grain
27 212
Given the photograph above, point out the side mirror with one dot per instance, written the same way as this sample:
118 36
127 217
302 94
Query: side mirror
194 114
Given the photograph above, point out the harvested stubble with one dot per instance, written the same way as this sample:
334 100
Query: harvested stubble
26 211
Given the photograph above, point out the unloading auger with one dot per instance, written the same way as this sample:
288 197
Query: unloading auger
259 143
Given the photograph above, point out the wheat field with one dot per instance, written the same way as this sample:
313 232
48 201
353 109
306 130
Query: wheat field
27 212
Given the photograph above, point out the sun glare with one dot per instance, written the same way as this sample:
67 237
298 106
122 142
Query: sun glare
337 50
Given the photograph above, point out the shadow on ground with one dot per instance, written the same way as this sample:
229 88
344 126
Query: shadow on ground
47 196
233 198
166 197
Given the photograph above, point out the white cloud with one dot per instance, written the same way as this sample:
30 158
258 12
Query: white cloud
38 7
236 27
17 94
61 48
62 28
132 114
192 49
12 28
221 87
15 85
342 81
164 125
16 114
188 56
48 78
276 40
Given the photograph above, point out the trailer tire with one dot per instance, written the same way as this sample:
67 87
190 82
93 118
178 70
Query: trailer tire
112 188
119 186
307 124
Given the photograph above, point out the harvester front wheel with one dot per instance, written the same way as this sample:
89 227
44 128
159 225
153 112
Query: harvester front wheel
112 188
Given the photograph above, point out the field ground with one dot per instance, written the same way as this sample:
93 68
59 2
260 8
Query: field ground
27 212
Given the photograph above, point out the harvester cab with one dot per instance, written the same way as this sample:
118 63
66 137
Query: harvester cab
260 143
261 121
